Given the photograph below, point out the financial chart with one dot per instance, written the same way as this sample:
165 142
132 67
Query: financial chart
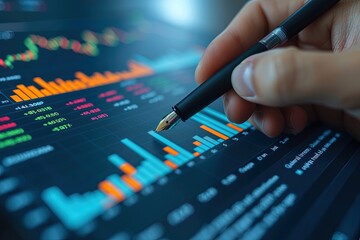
79 157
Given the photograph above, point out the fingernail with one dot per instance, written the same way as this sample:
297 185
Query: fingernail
197 69
242 80
259 121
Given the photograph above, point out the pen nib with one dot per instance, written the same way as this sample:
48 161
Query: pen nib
169 121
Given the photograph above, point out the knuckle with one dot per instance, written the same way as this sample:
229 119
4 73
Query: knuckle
282 75
288 75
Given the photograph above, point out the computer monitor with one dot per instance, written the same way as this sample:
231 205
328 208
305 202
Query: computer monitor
83 84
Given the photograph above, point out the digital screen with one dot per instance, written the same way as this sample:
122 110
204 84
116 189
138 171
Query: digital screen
79 157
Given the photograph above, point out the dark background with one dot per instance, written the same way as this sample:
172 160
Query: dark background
210 16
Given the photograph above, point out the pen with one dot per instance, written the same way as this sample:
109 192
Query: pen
220 82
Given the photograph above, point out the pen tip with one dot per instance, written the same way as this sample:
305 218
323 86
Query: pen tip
168 122
161 126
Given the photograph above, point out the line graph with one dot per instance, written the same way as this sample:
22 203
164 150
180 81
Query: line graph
88 45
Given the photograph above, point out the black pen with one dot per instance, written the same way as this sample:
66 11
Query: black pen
220 82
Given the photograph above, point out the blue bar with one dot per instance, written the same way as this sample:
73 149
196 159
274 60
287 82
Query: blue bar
160 165
183 158
220 140
64 208
203 141
222 116
248 124
117 181
199 150
174 159
76 197
144 181
92 198
211 140
215 122
146 155
155 172
59 204
243 126
142 173
116 160
139 150
216 114
171 144
216 128
205 148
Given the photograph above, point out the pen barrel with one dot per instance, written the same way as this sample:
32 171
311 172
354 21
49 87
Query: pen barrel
212 88
220 83
305 15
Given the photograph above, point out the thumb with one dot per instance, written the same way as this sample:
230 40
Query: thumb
289 76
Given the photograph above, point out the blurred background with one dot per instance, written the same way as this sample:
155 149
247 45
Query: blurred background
201 15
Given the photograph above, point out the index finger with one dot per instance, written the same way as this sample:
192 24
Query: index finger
253 22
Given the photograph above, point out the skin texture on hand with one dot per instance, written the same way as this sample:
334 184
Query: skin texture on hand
316 76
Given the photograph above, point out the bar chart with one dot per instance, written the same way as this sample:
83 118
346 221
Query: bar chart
79 158
141 67
82 81
78 209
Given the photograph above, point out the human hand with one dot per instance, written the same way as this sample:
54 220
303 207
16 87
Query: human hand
316 77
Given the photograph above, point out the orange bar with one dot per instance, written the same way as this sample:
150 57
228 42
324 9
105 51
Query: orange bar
109 189
16 98
111 77
128 169
196 154
36 91
212 131
128 75
22 95
170 151
72 85
23 88
82 76
234 127
79 84
171 164
64 85
121 76
45 85
57 87
97 79
140 69
101 78
118 77
136 186
197 143
45 92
